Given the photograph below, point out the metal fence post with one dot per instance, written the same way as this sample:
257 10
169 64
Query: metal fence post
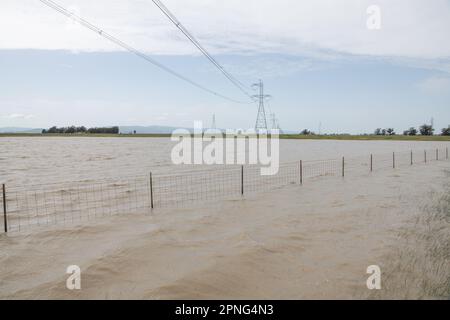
242 180
5 220
151 190
393 160
301 171
425 155
343 166
371 162
437 154
411 157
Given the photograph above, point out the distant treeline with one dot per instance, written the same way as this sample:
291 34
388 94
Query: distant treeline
424 130
82 129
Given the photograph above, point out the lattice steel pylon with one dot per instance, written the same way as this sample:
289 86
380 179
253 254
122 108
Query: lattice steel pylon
275 122
261 120
213 123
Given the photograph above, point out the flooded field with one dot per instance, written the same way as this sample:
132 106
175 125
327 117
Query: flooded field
40 160
285 241
299 242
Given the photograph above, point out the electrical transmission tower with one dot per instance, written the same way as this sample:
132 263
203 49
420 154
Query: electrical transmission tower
213 123
275 122
261 120
273 119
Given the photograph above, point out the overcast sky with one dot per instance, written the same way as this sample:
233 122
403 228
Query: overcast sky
319 60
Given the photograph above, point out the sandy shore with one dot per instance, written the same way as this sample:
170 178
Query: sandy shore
297 242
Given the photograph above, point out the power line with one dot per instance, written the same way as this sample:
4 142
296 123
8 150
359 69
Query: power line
194 41
131 49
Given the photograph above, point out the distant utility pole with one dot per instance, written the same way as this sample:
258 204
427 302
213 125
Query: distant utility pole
275 124
274 121
261 120
213 123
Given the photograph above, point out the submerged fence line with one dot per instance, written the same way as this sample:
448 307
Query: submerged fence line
28 206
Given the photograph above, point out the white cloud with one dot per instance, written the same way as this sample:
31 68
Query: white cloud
409 28
19 116
435 85
267 67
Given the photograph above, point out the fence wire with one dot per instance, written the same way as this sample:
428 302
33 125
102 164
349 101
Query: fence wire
30 206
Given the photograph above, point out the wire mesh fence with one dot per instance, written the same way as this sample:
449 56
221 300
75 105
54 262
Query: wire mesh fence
29 206
56 204
195 186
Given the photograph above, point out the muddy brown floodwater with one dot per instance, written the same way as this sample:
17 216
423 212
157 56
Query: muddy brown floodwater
292 242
